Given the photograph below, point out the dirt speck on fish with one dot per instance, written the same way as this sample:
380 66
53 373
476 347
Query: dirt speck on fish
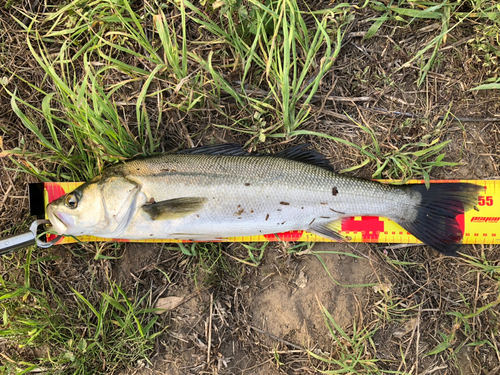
198 191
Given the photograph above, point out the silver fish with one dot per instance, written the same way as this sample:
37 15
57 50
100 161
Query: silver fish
221 191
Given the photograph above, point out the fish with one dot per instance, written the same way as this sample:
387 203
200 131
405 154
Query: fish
214 192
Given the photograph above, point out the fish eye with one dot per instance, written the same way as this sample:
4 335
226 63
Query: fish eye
72 201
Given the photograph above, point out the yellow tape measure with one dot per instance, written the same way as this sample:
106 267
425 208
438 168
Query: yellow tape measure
478 227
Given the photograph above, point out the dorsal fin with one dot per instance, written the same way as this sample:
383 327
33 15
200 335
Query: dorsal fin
301 153
304 154
329 230
227 149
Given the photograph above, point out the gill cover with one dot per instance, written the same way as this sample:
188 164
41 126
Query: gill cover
119 196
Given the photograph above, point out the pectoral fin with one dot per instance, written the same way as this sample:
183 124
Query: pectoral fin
329 230
174 208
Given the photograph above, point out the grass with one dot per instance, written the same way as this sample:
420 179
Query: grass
351 354
467 322
92 332
466 333
210 266
318 254
118 81
86 336
273 41
406 13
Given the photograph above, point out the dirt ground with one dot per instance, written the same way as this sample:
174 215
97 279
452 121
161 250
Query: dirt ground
237 318
264 319
273 308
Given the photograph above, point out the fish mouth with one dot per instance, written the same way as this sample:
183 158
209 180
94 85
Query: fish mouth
56 221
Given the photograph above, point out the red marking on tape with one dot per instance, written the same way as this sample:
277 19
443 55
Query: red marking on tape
458 227
54 191
461 223
369 226
287 236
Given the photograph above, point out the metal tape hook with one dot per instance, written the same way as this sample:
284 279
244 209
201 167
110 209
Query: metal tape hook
19 241
40 243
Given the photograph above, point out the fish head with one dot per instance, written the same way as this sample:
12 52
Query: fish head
100 207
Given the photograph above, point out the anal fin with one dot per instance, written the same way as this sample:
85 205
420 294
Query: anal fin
329 230
174 208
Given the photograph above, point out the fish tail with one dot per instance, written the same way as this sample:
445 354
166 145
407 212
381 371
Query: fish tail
437 221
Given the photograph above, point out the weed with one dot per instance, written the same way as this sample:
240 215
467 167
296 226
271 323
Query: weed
464 324
490 84
86 337
318 255
209 266
484 266
406 12
351 352
251 249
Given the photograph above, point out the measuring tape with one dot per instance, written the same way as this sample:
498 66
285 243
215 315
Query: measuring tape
478 227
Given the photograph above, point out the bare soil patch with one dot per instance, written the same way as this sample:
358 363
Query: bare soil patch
271 309
285 295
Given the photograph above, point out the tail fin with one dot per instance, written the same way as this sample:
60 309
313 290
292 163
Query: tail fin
436 223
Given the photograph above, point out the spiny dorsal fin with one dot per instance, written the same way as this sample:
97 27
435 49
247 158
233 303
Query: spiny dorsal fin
227 149
174 208
304 154
301 153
